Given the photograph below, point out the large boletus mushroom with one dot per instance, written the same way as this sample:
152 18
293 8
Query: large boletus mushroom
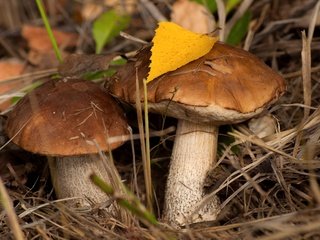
226 86
70 121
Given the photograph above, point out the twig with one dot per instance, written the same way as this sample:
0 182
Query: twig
153 10
132 38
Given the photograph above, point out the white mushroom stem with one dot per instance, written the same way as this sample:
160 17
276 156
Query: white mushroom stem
193 155
70 178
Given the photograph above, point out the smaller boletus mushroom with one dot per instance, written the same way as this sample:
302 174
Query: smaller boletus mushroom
226 86
70 121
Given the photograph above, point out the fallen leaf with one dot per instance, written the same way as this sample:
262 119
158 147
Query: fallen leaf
192 16
91 10
174 46
76 65
44 60
38 39
123 7
9 68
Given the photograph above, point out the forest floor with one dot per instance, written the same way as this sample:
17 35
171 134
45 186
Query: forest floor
269 188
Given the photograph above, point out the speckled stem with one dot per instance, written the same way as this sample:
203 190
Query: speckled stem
193 155
70 177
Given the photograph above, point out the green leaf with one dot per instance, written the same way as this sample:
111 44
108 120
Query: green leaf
231 4
99 74
108 26
239 30
210 4
118 62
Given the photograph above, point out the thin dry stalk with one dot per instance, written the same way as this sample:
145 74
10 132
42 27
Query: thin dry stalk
277 227
254 26
154 11
134 164
132 38
11 214
124 138
306 70
308 155
147 170
306 60
245 4
222 19
28 77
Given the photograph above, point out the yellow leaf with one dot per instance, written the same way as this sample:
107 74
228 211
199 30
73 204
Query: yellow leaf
174 46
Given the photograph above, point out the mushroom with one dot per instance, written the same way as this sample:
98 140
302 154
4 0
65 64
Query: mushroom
226 86
70 121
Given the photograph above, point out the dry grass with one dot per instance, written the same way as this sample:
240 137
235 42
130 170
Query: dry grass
269 188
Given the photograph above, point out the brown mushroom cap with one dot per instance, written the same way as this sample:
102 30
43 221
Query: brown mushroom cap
227 85
65 118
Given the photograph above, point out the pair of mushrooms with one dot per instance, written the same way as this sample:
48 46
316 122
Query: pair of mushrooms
226 86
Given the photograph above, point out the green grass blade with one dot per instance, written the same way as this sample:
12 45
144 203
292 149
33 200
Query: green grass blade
239 30
231 4
49 30
132 203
